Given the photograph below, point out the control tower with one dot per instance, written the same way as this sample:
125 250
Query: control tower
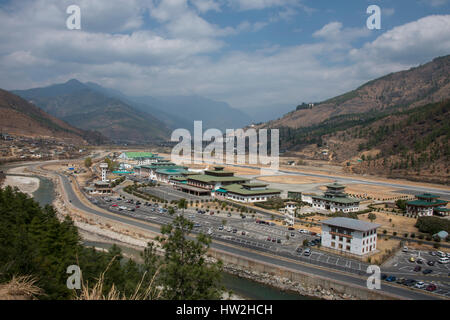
104 168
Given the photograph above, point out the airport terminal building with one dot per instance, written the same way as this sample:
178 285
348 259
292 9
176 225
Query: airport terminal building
335 199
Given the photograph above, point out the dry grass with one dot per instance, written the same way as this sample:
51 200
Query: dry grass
384 247
399 224
20 288
151 292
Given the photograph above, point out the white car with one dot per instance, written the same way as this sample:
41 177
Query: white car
444 260
420 285
405 249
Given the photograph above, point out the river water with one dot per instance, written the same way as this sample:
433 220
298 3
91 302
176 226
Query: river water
242 287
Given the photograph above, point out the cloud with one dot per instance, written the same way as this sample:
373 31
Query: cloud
183 53
206 5
435 3
411 43
335 32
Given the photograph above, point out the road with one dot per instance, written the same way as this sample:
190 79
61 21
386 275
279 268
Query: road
262 257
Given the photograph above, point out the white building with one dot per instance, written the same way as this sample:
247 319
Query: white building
307 197
139 158
350 235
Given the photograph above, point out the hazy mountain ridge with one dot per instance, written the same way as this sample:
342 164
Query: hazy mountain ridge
406 89
85 108
20 117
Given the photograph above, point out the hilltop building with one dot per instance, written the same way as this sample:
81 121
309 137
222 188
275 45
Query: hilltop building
335 199
350 236
426 205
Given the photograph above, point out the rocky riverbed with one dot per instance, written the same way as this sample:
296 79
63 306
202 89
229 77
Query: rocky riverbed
287 285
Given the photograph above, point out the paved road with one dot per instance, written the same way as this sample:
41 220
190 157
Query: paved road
253 254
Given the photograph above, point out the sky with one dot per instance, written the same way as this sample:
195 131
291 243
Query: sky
249 53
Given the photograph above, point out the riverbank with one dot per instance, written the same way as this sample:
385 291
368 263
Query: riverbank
27 185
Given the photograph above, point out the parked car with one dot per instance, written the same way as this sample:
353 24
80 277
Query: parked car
197 225
405 249
299 250
391 279
441 254
384 276
114 205
431 263
419 261
411 259
431 287
420 285
427 271
278 240
433 253
444 260
234 230
307 252
291 228
400 280
410 282
220 228
417 268
243 233
269 239
292 235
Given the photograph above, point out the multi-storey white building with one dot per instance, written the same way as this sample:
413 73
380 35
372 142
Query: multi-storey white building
350 235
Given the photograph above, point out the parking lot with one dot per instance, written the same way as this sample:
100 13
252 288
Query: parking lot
169 193
279 240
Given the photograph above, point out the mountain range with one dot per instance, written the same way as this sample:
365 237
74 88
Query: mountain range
131 119
406 89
